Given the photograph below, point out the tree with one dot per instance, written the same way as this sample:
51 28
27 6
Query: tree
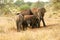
24 7
5 5
38 4
19 2
29 3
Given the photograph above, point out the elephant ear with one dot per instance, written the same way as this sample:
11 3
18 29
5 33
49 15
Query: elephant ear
43 10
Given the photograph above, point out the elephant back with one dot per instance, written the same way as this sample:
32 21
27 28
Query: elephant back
26 12
20 18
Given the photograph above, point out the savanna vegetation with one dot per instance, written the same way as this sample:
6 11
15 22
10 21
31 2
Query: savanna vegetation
8 11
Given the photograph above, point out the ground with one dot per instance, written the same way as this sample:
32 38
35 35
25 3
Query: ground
50 32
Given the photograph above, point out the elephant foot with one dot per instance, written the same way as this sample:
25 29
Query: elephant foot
44 25
25 28
33 27
38 27
18 30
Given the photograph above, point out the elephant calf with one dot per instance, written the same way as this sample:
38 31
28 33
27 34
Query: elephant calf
31 19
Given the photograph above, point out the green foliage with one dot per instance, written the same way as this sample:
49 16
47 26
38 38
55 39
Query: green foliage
29 3
6 10
18 2
37 4
24 7
9 7
6 1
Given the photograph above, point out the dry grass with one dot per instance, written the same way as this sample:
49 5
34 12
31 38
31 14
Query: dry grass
49 33
8 30
7 23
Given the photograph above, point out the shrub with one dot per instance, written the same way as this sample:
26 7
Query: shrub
24 7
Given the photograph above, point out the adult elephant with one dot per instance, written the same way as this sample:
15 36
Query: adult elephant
39 13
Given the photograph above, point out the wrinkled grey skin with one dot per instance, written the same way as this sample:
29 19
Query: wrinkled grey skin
40 16
34 20
19 22
43 10
23 21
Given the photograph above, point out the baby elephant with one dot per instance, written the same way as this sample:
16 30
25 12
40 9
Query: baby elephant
31 19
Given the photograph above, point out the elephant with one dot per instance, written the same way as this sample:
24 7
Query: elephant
31 19
23 19
28 17
26 12
39 13
34 22
19 21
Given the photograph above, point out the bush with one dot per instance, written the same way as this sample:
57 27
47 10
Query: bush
24 7
37 5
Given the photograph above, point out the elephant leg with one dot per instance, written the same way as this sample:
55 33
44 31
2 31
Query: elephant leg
43 21
38 23
33 26
24 25
18 26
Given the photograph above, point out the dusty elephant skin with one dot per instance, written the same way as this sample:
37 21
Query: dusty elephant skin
34 22
22 20
39 13
19 22
43 10
34 18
